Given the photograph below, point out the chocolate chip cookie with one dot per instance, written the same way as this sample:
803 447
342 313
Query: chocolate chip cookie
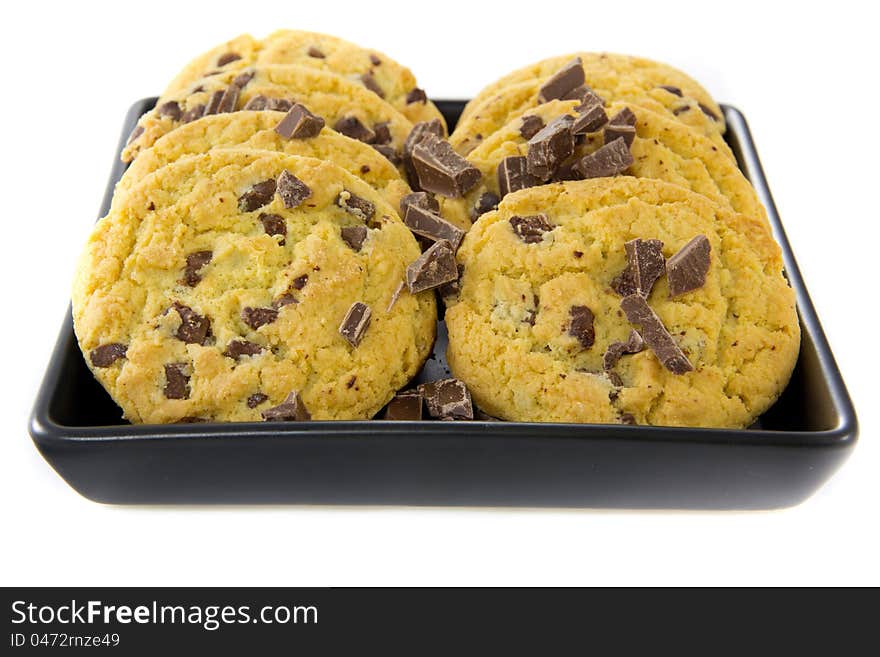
247 285
621 300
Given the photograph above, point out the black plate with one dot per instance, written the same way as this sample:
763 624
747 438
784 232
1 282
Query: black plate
794 448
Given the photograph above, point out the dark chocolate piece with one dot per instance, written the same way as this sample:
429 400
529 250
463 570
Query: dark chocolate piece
431 225
257 317
675 91
193 329
550 146
242 79
369 81
292 190
433 268
238 348
389 152
382 132
107 354
452 288
531 229
616 350
569 77
171 109
176 381
645 264
441 170
487 202
195 112
623 117
709 112
354 236
395 296
609 160
351 126
374 60
355 323
315 52
591 117
194 262
228 58
299 282
405 406
279 104
359 207
256 399
416 95
654 334
422 200
448 399
615 131
299 123
581 326
274 224
285 299
137 132
513 175
291 409
531 125
420 131
581 93
686 270
214 102
256 103
257 196
229 100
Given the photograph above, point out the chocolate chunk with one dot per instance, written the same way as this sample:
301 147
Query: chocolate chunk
416 95
482 416
257 317
195 112
369 81
686 270
137 132
441 170
569 77
709 112
654 334
581 326
257 196
531 229
382 132
448 399
645 265
274 224
419 132
238 348
580 93
291 409
452 288
616 350
405 406
299 282
292 190
422 200
194 262
359 207
433 268
170 109
229 101
550 146
285 299
242 80
531 125
374 60
228 58
214 102
609 160
513 175
486 203
354 236
256 399
316 53
389 152
675 91
191 419
628 418
623 117
356 323
616 131
176 381
299 123
589 119
431 225
256 103
279 104
395 296
351 126
107 354
193 329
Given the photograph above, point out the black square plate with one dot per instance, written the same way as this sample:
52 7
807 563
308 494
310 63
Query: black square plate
788 454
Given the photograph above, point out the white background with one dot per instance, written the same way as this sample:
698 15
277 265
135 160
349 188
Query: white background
806 77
